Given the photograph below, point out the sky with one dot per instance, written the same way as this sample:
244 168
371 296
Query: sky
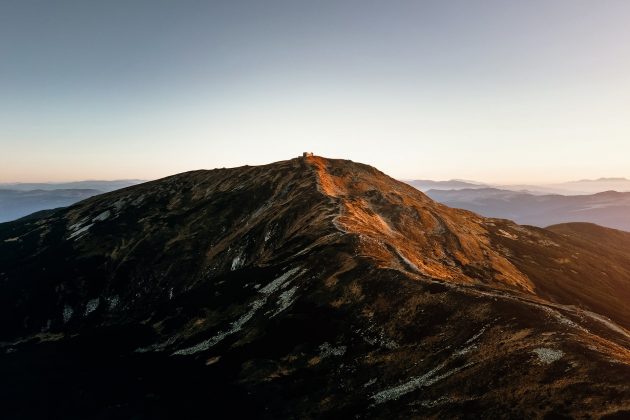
495 91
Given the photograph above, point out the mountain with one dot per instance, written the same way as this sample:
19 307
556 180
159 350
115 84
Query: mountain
19 200
610 208
453 184
591 186
15 204
103 186
307 288
582 187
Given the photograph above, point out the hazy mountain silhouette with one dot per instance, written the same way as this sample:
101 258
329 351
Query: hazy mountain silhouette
21 199
582 187
453 184
610 208
104 186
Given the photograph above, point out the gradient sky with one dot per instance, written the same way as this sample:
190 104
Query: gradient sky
497 91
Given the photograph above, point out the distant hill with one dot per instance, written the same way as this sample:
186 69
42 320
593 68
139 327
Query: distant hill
453 184
102 186
581 187
19 200
592 235
598 185
610 208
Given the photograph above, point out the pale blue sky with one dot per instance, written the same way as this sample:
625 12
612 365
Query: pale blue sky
497 91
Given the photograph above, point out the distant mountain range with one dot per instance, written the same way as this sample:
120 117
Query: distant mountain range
585 186
18 200
102 186
453 184
610 208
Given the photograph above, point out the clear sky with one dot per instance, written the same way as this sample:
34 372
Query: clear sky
497 91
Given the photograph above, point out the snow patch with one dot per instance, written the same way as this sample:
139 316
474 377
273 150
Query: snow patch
112 301
435 403
415 383
470 343
465 350
80 232
77 225
376 336
118 205
547 242
237 262
369 383
103 216
479 334
156 346
237 325
326 350
547 355
67 313
92 305
560 318
285 300
305 250
507 234
279 282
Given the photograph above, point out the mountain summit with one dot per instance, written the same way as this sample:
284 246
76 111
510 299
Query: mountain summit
308 288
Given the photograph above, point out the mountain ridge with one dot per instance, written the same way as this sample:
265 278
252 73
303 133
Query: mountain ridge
607 208
308 287
21 199
568 188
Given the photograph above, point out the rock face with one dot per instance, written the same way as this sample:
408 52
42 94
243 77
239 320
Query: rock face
307 288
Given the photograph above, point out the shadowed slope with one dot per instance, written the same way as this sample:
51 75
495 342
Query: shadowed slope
577 264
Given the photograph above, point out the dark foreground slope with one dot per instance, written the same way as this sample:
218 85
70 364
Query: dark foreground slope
307 288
